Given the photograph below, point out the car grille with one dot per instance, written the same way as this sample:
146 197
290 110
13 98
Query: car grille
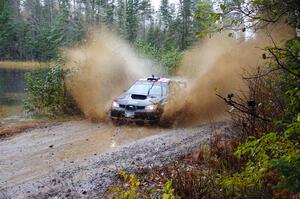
132 107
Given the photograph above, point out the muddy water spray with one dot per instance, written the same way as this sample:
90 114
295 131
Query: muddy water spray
216 66
102 69
106 65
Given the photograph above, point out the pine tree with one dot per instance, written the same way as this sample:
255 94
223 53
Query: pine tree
39 28
131 19
109 12
120 16
145 16
165 14
186 13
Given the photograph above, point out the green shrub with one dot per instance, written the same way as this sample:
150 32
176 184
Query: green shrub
168 58
169 192
130 190
289 168
129 186
47 92
271 151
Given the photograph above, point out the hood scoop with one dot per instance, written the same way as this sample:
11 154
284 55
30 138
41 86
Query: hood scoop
139 97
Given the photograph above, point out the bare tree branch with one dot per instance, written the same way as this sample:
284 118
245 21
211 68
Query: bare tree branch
243 108
282 65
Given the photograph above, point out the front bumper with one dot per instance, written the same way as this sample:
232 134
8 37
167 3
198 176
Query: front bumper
138 115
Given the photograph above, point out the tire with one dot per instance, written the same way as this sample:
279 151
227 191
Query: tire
153 123
116 122
165 124
140 123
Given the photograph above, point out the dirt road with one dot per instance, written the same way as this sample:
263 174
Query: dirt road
78 159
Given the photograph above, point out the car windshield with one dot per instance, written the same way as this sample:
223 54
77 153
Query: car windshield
145 88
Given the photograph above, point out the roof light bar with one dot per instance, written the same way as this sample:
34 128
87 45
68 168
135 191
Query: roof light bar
153 78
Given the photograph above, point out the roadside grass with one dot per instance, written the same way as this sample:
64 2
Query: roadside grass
190 177
199 174
144 183
22 65
194 175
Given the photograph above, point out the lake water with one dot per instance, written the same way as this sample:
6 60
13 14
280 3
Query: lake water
12 91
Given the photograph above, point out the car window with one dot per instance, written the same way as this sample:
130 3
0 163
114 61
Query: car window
143 87
164 90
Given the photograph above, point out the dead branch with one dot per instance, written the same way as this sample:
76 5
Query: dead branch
242 108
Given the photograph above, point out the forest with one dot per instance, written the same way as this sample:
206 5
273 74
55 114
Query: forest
262 157
37 30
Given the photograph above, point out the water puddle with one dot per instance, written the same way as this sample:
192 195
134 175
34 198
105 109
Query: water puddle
43 151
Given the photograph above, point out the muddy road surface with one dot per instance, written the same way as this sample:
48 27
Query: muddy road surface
79 159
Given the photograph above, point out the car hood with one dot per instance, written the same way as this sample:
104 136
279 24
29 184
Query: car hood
138 99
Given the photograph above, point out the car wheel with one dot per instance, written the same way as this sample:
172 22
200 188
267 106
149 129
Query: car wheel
153 123
116 122
165 124
140 123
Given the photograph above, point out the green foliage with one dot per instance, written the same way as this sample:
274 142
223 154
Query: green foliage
289 168
47 92
38 30
169 59
288 60
169 192
272 158
270 151
130 187
207 19
144 48
7 31
131 20
131 190
38 36
289 165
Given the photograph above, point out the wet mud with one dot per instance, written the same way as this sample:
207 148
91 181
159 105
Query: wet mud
80 158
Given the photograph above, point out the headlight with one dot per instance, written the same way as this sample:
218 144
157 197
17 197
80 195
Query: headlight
151 107
115 105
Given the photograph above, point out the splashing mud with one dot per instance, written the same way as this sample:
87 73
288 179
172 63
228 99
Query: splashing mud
216 66
105 65
102 68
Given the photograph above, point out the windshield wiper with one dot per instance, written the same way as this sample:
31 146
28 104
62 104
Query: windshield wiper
151 88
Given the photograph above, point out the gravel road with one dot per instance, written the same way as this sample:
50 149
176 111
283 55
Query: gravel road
79 159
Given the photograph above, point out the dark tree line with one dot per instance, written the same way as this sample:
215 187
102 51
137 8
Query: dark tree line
37 29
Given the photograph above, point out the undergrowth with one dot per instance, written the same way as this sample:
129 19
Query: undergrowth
47 93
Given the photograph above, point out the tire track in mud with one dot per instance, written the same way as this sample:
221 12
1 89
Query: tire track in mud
97 161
